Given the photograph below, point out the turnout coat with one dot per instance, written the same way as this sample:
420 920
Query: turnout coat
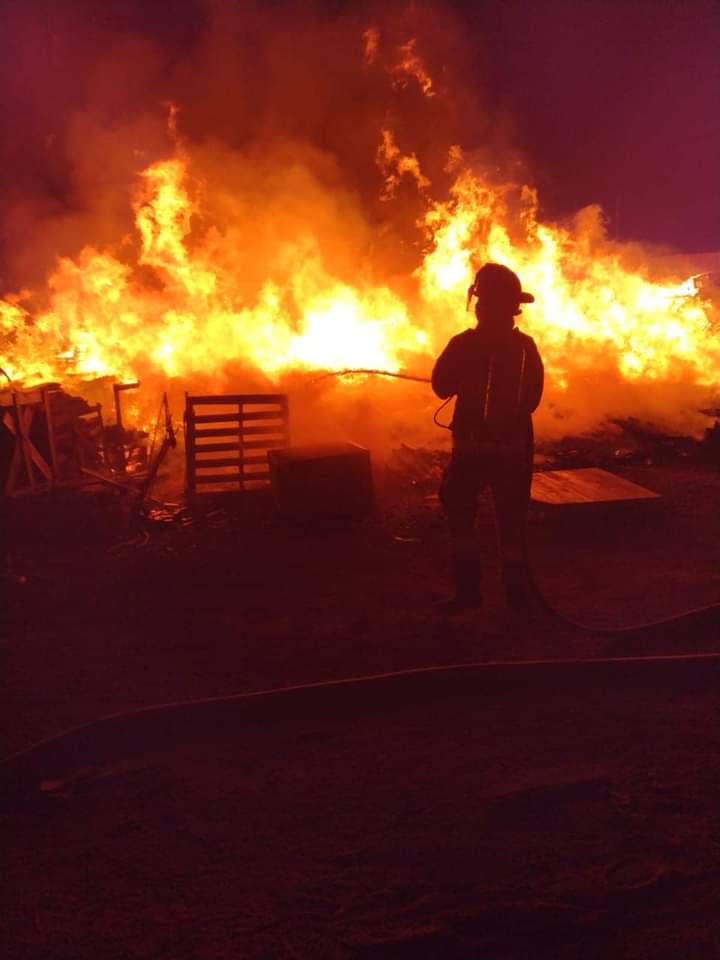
498 378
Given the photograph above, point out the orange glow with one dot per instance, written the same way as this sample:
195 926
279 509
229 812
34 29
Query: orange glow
371 39
410 66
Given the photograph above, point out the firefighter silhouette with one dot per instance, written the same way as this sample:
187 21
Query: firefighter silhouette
496 373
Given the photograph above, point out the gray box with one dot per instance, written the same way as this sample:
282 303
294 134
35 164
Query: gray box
322 480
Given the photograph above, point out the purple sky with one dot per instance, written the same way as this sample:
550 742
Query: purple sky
617 103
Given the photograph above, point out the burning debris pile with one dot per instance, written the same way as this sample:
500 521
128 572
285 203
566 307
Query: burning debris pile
629 441
254 267
51 438
48 436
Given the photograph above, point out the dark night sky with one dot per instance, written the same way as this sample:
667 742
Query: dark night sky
609 102
617 103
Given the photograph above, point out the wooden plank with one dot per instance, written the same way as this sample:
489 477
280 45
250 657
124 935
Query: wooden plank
51 432
15 463
217 432
229 461
256 399
40 462
230 477
246 445
189 447
25 397
22 439
584 486
239 417
218 462
215 447
276 431
218 478
263 444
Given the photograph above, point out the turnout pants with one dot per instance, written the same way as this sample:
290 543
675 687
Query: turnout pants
508 473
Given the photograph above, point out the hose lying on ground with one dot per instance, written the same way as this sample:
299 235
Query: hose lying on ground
164 725
689 622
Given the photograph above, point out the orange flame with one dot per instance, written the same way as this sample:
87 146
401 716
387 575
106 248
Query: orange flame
179 310
589 307
395 165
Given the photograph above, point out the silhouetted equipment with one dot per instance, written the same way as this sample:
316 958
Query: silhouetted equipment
118 389
125 449
227 438
169 442
324 480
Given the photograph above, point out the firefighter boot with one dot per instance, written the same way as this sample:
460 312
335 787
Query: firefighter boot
466 578
520 590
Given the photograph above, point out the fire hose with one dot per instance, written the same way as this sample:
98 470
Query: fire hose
83 748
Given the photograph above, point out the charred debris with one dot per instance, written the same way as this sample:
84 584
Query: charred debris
53 442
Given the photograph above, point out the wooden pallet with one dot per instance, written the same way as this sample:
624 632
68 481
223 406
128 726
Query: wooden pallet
227 438
589 485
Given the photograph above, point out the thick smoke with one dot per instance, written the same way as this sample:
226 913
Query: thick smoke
86 94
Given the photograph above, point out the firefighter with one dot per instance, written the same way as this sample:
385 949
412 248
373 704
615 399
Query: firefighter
496 373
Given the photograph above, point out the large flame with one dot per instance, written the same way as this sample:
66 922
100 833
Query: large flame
179 308
591 311
104 318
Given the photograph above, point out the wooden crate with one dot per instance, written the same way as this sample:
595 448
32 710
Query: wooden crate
322 480
227 438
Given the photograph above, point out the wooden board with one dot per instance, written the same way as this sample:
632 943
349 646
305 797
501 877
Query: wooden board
585 486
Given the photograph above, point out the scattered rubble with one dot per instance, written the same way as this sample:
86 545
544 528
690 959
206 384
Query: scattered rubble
620 441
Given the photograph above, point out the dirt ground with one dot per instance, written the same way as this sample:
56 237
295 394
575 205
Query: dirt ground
557 814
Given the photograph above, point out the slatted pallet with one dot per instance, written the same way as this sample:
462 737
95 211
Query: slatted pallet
227 438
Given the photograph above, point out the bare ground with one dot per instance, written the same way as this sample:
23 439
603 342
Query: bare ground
559 816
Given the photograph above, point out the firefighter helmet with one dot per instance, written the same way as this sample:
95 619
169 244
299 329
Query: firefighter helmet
501 284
